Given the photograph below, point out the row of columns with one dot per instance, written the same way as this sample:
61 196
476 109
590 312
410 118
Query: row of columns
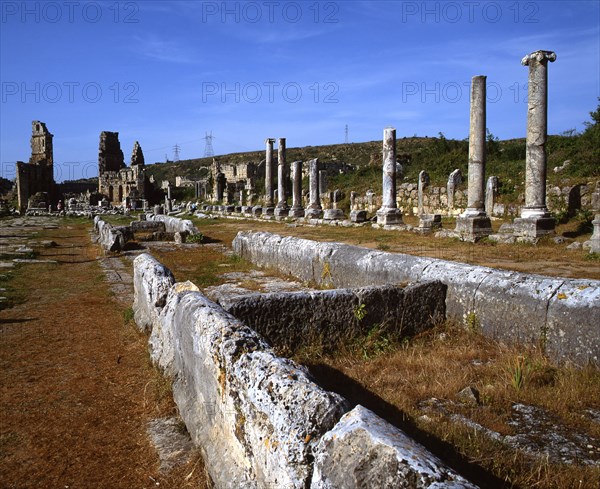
473 223
535 219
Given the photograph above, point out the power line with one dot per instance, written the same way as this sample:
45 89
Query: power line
176 149
208 148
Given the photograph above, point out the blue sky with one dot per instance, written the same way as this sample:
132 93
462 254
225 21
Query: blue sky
165 73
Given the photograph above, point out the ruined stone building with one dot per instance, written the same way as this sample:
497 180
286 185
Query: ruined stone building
37 176
229 179
116 181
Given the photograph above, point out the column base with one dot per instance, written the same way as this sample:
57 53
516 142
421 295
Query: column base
257 210
473 228
268 211
334 215
281 211
313 213
358 216
298 212
389 217
534 227
428 223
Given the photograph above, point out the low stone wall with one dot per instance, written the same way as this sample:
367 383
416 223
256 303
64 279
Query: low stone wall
174 224
294 319
111 238
260 420
560 315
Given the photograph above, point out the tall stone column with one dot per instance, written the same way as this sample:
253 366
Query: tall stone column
269 204
282 208
473 223
314 210
297 209
389 214
535 219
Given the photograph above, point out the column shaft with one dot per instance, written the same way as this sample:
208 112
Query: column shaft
477 150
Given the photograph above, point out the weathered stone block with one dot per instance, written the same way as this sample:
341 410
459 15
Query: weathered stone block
295 319
363 451
152 282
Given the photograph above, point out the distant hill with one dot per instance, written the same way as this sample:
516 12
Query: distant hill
438 156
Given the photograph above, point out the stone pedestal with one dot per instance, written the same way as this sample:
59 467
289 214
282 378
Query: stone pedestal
533 227
334 215
473 228
296 212
268 211
257 210
389 214
358 216
428 223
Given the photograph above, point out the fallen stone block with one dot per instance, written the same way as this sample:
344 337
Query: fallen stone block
363 451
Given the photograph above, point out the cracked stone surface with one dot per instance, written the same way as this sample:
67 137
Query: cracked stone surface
536 433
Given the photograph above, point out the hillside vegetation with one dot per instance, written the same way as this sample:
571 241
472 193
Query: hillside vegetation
438 156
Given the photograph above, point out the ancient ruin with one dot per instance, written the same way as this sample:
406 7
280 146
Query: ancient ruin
117 182
282 209
474 224
314 209
389 214
268 207
37 176
535 220
297 209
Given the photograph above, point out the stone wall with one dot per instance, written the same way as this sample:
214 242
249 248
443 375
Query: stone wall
113 238
568 198
557 314
294 319
260 420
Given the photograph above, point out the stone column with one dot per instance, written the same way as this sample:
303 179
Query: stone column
473 223
477 150
454 180
491 190
282 208
535 219
423 183
595 239
297 209
269 205
322 182
314 210
389 214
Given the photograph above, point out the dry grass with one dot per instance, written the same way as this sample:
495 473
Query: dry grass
77 389
546 258
439 364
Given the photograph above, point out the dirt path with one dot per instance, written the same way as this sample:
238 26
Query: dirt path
77 390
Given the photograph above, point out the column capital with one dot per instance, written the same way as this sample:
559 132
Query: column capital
539 56
269 140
